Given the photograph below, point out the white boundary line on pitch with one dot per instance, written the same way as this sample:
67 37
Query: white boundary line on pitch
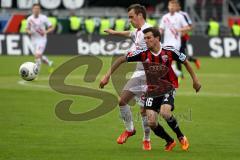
208 94
187 93
25 83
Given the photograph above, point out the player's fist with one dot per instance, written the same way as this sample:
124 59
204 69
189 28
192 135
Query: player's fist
197 86
104 81
109 31
45 33
29 32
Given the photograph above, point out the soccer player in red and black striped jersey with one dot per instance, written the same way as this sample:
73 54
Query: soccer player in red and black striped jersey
164 102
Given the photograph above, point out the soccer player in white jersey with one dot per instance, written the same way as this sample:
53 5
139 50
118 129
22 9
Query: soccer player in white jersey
137 17
185 38
172 25
38 26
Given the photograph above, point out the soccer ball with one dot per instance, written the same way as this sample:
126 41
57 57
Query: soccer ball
28 71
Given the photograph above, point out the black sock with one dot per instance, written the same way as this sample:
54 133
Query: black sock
160 132
192 59
179 66
172 122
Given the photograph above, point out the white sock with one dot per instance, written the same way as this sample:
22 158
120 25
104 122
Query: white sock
46 60
38 63
126 115
146 128
177 72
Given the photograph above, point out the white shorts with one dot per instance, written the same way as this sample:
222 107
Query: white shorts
39 46
137 85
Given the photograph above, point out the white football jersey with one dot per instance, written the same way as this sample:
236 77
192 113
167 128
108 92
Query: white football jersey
139 44
38 26
138 37
186 17
170 23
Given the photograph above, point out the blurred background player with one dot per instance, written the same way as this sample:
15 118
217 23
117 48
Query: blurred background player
137 17
172 26
185 38
38 26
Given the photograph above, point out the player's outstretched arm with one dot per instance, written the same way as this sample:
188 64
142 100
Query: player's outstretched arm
118 33
196 84
104 81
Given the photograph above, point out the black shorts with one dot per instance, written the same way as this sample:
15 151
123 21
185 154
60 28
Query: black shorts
154 103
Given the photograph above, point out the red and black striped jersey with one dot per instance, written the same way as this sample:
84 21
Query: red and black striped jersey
165 57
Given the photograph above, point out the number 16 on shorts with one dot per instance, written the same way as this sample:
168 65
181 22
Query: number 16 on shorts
149 102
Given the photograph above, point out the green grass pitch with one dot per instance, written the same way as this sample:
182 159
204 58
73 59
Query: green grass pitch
29 128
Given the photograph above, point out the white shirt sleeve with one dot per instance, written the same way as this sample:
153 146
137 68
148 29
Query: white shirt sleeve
183 21
162 24
189 19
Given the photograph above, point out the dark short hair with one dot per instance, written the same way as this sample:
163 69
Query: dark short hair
36 5
155 31
173 2
138 9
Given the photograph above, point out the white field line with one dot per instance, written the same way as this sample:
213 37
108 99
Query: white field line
180 93
208 94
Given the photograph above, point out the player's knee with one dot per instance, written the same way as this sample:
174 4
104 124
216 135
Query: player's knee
165 111
122 102
152 124
38 55
165 114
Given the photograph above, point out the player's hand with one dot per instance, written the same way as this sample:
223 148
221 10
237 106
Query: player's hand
104 81
179 31
45 33
29 33
109 31
197 86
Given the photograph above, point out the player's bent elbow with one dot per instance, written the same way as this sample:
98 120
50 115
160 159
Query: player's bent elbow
122 102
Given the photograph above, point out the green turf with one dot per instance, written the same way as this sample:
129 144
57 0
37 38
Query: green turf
31 130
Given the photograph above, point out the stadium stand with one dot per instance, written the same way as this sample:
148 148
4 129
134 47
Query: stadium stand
90 17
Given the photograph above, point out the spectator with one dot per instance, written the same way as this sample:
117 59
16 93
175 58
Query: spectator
235 29
213 28
75 23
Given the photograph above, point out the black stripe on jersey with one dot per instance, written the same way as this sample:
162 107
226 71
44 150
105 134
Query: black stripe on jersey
153 58
149 56
136 52
143 56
